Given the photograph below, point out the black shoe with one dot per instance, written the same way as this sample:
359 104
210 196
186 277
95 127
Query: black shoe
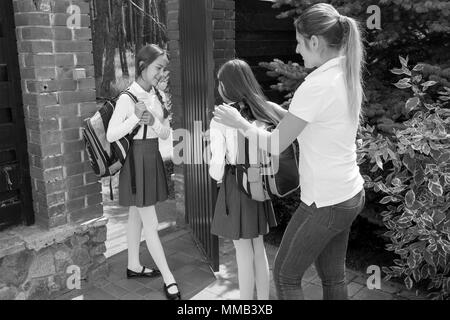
172 296
152 274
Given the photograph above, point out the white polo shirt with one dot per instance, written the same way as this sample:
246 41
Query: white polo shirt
328 170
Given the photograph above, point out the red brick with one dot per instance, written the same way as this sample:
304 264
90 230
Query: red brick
88 83
49 125
38 73
82 34
90 177
74 169
76 204
223 4
73 146
71 134
39 99
64 60
88 109
94 199
62 33
218 14
70 123
72 158
69 110
74 181
53 174
92 188
37 60
56 199
35 33
51 162
51 150
60 19
73 46
67 97
83 59
61 6
32 19
51 137
35 46
25 6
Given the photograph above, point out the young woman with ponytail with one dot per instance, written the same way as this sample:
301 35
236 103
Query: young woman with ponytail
142 180
324 116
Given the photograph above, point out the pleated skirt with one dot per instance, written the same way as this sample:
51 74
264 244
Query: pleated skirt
150 173
246 219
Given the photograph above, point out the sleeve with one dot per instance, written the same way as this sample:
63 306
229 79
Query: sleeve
162 129
218 151
119 125
309 101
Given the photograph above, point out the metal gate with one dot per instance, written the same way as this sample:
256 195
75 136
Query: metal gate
197 72
15 193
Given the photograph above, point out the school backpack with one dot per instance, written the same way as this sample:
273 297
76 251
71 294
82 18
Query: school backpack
263 176
106 158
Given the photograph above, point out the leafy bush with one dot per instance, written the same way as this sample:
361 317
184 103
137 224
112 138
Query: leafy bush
415 179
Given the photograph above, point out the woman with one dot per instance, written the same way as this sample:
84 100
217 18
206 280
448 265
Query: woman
324 115
237 216
149 172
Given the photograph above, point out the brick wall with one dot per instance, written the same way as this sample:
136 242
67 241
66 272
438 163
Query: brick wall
223 15
57 72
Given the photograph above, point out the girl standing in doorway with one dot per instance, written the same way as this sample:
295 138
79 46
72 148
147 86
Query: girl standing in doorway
149 186
324 116
237 216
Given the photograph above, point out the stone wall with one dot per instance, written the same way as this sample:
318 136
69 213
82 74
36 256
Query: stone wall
37 264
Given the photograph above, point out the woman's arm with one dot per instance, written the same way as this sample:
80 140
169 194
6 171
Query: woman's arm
119 125
274 142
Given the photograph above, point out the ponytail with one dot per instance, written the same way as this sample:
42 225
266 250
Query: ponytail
341 33
353 66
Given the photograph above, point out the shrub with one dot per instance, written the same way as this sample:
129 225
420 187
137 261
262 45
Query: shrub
415 181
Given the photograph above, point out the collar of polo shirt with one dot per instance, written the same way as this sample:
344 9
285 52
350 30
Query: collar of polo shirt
327 65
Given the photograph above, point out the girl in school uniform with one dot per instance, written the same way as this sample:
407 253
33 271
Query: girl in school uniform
149 186
324 116
237 216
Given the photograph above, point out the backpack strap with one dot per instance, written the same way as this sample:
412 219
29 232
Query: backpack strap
130 152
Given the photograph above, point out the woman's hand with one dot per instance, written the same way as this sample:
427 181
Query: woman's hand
139 109
147 119
229 116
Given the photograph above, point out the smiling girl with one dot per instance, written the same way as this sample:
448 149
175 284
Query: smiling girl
140 189
324 116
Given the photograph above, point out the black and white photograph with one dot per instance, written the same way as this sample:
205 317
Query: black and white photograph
224 154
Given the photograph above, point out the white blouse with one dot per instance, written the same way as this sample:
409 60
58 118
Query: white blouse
224 148
124 120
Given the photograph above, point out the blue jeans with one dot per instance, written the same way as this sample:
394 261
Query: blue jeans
320 236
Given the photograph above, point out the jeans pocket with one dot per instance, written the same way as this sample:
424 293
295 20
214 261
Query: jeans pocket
343 214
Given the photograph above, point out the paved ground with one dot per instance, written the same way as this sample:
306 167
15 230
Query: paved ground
193 274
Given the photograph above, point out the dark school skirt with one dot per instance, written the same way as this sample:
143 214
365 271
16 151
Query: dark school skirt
150 173
246 219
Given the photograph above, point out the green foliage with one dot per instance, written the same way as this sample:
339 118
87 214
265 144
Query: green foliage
420 28
415 181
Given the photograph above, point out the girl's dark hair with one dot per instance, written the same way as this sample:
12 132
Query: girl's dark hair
240 85
145 57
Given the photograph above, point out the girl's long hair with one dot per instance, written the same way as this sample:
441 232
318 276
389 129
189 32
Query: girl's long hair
342 33
240 85
145 57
